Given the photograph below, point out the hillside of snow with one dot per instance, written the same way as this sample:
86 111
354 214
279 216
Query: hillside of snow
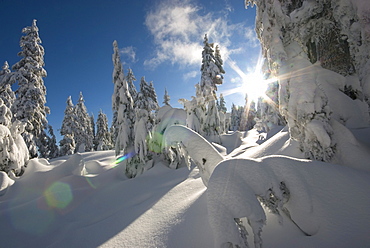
86 199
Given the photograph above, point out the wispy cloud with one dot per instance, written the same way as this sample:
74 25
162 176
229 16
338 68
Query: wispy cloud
190 75
178 28
128 53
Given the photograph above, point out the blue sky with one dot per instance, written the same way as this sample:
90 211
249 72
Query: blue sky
159 39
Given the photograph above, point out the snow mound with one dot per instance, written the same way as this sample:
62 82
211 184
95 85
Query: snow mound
301 192
5 182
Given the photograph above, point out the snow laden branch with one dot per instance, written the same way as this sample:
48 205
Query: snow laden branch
204 155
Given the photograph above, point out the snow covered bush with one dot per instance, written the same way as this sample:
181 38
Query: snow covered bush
174 154
13 149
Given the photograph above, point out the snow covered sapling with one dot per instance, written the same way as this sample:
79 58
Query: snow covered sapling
83 130
102 137
166 98
67 144
6 81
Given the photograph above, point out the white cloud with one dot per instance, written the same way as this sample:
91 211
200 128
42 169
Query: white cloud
129 53
190 75
251 37
178 29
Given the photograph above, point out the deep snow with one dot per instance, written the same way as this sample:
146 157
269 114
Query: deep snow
85 200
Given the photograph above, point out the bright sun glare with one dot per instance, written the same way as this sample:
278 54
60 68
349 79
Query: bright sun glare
253 84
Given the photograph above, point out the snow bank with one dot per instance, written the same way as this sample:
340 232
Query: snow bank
299 191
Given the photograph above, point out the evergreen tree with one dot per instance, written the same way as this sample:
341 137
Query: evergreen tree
52 143
211 77
29 106
123 106
247 118
67 144
147 99
5 114
92 123
222 104
83 132
235 117
6 92
130 78
102 137
166 98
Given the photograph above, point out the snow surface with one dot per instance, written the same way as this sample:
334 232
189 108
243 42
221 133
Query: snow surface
85 200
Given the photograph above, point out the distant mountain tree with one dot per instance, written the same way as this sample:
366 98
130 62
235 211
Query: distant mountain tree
6 81
147 99
123 106
92 123
248 114
83 132
211 76
102 137
130 78
222 104
52 143
67 144
5 114
211 71
29 106
166 98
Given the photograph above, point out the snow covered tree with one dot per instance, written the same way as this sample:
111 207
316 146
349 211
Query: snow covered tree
29 106
247 118
83 133
92 123
5 114
320 52
211 76
166 98
6 81
67 144
235 117
130 78
123 106
222 104
14 154
49 148
144 121
52 143
211 71
102 137
147 99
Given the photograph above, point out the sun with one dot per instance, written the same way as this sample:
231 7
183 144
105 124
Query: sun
254 85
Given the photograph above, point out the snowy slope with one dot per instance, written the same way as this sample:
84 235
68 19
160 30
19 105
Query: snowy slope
86 201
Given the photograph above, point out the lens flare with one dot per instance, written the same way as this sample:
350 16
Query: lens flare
58 195
124 157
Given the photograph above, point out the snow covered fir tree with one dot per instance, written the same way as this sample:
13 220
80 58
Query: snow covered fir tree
29 105
292 164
